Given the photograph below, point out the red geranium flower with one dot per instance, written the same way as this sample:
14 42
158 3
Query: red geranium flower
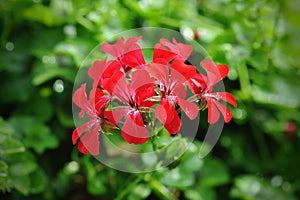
94 108
203 87
133 98
166 51
170 81
125 91
128 54
181 50
105 74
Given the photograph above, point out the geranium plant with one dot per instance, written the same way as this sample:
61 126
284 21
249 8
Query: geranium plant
135 97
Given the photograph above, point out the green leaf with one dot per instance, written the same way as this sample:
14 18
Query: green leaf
36 134
21 183
49 38
65 117
191 162
176 148
41 13
15 89
5 128
40 138
259 59
141 191
38 181
8 144
250 187
214 173
278 91
178 178
11 146
3 172
37 105
62 183
45 72
21 164
96 184
78 49
200 193
22 168
4 185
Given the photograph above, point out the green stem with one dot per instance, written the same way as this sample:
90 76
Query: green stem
154 142
246 94
6 29
130 187
259 139
276 24
91 172
161 190
244 80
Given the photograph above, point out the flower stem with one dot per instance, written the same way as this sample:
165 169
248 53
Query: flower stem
246 95
244 80
130 187
258 136
154 141
161 190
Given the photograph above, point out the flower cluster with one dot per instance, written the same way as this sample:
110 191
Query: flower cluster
133 96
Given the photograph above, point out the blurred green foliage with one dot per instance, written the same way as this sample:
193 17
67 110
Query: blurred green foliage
43 43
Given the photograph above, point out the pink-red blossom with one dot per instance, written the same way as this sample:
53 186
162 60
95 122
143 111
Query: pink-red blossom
203 86
127 92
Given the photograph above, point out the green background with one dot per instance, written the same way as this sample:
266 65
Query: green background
43 43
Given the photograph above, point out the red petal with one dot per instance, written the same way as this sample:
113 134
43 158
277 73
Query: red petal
173 126
186 71
95 95
166 113
115 115
121 89
121 47
190 108
79 96
109 84
140 78
162 55
112 67
213 112
87 134
159 71
133 59
100 100
90 140
96 71
109 116
183 50
215 73
75 136
78 132
113 49
134 130
224 110
226 96
143 88
179 91
161 112
82 148
131 44
197 83
80 99
223 70
143 93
